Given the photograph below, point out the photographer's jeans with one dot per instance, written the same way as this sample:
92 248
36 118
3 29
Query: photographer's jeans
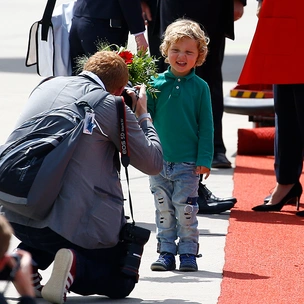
175 197
98 271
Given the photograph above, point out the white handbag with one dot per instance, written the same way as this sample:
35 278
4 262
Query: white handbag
48 45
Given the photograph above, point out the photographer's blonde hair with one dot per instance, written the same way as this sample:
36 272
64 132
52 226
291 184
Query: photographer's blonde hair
110 68
6 232
182 28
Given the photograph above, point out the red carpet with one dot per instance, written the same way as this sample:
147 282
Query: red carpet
264 251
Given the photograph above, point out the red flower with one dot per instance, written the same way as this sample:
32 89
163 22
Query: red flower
126 56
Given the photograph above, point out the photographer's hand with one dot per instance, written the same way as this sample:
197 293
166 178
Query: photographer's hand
139 102
141 106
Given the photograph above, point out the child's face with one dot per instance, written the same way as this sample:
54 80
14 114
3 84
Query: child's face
182 56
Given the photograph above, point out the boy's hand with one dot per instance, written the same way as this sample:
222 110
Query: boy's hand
203 170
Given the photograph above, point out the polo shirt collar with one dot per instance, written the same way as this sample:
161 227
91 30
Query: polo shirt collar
187 77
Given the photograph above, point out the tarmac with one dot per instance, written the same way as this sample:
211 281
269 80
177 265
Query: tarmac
174 287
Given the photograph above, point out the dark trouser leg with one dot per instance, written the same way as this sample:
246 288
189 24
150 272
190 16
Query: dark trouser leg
97 270
211 72
289 109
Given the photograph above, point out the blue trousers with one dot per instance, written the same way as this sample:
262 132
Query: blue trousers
289 137
98 271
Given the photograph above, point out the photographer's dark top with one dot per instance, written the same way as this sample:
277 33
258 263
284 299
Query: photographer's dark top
89 208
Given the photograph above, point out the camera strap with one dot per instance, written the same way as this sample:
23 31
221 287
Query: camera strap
124 147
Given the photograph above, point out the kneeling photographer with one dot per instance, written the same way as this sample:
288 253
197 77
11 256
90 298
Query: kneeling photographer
85 234
16 267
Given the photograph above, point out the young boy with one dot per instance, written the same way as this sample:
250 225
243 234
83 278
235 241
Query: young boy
182 115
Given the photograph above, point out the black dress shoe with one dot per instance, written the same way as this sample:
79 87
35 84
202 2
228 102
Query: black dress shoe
220 161
210 204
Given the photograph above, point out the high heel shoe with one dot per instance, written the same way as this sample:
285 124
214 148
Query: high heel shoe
293 195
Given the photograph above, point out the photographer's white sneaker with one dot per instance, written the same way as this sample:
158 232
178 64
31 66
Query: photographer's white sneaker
62 277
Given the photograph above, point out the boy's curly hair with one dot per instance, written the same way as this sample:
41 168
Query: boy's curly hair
182 28
6 232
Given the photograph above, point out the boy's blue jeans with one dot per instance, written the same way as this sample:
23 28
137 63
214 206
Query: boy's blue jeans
98 271
175 197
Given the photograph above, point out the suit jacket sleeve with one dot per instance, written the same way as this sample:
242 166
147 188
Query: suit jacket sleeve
133 15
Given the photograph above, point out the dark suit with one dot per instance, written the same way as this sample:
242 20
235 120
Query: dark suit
103 20
217 17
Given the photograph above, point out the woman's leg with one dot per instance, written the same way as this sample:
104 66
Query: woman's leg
289 109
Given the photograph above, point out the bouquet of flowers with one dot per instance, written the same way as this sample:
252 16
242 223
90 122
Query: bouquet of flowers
141 65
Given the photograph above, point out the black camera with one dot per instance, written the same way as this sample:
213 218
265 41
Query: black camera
135 238
127 97
8 273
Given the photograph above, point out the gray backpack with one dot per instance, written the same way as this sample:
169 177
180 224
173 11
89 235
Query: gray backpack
35 156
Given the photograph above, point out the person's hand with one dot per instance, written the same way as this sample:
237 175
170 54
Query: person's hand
139 102
141 43
238 9
146 12
23 277
259 8
203 170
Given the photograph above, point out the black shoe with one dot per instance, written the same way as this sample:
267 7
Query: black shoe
290 202
300 213
210 204
220 161
267 199
293 195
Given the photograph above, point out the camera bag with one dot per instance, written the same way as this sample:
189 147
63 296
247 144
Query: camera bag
34 158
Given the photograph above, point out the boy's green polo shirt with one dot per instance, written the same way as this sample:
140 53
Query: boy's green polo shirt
182 115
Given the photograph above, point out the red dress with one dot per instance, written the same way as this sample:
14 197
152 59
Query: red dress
276 54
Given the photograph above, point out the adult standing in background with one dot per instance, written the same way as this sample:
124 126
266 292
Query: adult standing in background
217 17
276 57
109 21
151 15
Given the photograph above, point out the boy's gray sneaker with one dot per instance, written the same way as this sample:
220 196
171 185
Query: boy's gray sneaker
187 262
165 262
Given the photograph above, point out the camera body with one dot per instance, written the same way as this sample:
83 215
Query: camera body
8 273
127 97
135 238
